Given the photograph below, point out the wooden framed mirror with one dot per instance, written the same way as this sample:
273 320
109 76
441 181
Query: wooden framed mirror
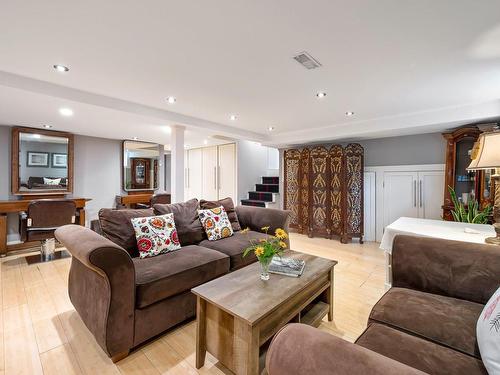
41 162
140 166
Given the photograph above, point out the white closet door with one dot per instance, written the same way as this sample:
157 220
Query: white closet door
430 190
209 173
194 175
227 171
400 195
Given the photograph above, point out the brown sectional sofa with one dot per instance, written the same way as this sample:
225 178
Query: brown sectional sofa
426 323
125 300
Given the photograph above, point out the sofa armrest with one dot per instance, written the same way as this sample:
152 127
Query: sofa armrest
257 217
456 269
101 286
300 349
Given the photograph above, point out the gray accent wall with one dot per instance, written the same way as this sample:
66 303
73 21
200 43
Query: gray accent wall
405 150
97 168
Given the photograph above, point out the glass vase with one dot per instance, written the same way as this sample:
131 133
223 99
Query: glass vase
264 267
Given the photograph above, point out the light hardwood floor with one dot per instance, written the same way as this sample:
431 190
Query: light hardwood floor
41 333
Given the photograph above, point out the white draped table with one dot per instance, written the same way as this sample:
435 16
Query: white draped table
449 230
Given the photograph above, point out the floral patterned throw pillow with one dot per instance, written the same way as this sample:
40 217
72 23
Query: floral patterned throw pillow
155 235
488 334
216 223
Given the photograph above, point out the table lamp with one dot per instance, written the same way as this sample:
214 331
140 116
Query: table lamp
486 155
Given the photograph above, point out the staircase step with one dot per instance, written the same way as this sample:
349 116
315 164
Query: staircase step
270 188
261 196
271 180
252 202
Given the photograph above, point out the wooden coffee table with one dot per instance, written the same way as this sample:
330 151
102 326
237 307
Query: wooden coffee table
237 314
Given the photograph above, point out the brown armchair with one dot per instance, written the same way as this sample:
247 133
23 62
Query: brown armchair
425 322
42 218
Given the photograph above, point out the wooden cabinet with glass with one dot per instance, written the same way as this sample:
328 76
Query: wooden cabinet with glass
467 184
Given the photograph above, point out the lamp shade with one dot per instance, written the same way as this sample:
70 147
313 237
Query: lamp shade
486 152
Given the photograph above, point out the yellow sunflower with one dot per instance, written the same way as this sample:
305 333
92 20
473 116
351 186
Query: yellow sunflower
282 244
259 250
281 234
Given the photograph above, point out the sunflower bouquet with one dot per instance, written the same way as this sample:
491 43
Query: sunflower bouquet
266 248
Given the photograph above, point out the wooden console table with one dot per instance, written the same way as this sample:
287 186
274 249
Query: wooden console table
131 200
20 205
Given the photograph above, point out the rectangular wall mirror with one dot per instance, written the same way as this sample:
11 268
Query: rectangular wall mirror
42 162
140 165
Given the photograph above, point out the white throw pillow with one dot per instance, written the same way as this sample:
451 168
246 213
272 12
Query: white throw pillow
216 223
488 334
51 181
155 235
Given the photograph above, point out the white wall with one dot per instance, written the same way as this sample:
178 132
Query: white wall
254 161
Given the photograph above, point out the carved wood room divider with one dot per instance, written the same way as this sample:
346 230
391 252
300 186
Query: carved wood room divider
324 190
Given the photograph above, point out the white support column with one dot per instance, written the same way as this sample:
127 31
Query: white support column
177 168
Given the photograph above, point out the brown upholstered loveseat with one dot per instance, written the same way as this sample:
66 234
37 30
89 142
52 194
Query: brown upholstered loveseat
426 323
125 300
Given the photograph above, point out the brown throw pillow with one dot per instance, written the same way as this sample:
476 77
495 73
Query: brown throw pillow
186 219
117 227
228 205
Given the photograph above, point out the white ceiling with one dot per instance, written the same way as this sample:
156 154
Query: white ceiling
402 66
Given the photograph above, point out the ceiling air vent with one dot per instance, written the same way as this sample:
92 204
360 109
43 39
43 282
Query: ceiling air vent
307 61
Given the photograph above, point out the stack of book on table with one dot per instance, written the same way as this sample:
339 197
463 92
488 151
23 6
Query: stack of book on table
287 266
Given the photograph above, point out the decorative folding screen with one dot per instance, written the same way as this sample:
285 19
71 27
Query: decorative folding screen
292 187
336 183
319 192
304 190
354 175
324 190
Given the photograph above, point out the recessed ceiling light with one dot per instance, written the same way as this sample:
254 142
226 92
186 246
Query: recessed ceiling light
61 68
171 100
66 112
47 126
349 113
205 142
271 128
232 117
321 94
135 138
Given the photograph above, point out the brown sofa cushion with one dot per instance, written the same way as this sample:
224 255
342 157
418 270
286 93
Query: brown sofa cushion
234 247
445 320
228 205
418 353
186 219
172 273
117 227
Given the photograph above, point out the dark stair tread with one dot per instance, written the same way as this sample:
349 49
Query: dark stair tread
253 202
261 196
267 188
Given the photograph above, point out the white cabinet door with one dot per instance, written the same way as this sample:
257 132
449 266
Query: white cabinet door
209 173
430 194
227 171
400 195
194 174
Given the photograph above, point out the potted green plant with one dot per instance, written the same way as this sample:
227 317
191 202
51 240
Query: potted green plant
470 214
266 248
